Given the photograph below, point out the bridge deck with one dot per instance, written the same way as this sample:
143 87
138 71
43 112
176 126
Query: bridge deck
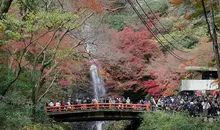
96 112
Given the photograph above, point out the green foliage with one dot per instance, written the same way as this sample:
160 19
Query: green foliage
167 24
16 107
115 125
15 28
175 121
186 38
16 120
118 21
31 4
25 82
16 114
189 41
159 6
6 76
44 127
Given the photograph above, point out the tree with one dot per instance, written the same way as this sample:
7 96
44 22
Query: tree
38 45
193 9
91 5
4 6
129 73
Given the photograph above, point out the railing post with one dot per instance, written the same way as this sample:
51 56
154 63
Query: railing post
110 105
59 108
134 106
122 106
97 106
147 107
72 108
84 107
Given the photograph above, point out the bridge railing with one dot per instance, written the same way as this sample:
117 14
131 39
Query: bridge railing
98 106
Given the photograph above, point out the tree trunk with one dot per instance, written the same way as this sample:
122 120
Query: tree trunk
4 7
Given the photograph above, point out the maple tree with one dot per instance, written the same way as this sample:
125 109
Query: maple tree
40 46
129 67
129 73
194 5
90 5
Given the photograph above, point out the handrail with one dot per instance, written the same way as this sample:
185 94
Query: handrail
98 106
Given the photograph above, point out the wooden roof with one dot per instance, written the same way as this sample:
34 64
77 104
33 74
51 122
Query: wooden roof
199 68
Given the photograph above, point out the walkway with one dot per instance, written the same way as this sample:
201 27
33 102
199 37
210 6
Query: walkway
97 112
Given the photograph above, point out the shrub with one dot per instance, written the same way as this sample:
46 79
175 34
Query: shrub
167 24
187 38
119 21
174 121
159 6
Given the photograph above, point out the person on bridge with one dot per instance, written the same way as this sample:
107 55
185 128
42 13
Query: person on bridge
113 100
69 105
84 101
62 103
88 100
51 104
94 101
123 100
118 100
58 103
128 101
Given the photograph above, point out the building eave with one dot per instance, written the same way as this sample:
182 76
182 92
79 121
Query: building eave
199 68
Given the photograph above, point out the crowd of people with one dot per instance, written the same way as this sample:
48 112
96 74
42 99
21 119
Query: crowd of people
88 101
207 105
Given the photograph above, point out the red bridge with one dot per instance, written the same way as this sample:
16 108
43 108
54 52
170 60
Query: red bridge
96 112
99 112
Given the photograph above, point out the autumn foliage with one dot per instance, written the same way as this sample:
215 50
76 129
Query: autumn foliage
144 67
129 73
91 5
176 2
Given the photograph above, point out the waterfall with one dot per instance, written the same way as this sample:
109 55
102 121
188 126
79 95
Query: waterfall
99 125
98 83
97 80
98 87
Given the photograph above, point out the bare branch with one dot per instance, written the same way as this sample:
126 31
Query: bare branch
116 9
83 21
51 39
49 87
25 5
61 4
16 77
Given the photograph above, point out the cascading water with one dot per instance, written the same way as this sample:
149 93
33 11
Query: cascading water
98 83
99 125
98 87
97 80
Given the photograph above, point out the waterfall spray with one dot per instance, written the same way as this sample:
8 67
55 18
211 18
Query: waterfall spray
98 87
